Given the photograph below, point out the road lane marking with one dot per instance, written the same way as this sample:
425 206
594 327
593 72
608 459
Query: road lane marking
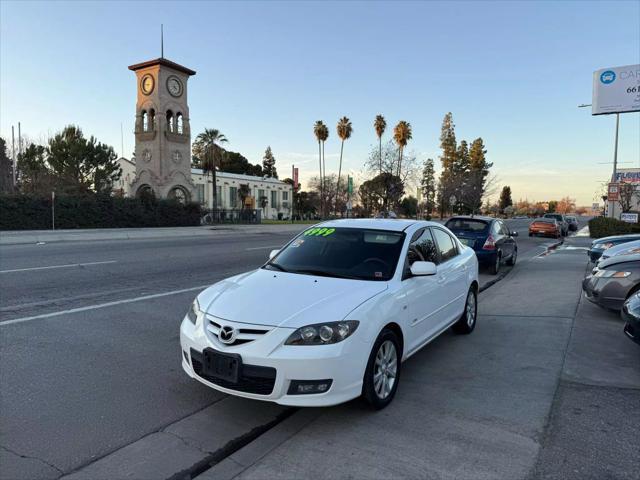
103 305
57 266
263 248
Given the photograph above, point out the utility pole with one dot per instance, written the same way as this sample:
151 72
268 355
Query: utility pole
121 141
615 150
13 156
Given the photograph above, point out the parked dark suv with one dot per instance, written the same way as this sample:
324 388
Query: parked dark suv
489 237
564 225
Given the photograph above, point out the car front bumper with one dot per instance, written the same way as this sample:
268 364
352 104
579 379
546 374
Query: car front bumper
607 292
343 363
632 325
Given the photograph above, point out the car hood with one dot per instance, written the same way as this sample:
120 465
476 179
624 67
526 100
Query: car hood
633 261
267 297
615 239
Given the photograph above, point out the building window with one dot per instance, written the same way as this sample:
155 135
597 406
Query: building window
274 199
152 119
179 125
233 197
170 121
285 196
219 196
200 193
145 121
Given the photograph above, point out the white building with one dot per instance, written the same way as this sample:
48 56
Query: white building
623 176
269 195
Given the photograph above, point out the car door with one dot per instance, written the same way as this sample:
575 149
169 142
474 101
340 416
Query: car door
424 301
507 240
452 271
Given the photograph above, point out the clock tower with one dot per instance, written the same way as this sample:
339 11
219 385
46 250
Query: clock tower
163 133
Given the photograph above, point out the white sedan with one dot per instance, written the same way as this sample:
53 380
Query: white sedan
333 314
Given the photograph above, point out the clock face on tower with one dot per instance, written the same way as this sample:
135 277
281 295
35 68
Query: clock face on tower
174 85
147 83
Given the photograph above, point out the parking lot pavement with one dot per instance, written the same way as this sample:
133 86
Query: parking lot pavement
91 374
515 400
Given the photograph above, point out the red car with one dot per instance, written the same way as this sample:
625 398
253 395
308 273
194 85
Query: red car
547 227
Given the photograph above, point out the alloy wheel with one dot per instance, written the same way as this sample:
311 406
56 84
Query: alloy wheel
471 309
385 370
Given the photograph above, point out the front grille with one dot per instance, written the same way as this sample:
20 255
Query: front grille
244 335
252 378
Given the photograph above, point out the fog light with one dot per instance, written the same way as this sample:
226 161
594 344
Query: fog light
306 387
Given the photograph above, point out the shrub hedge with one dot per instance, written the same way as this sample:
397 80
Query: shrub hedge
604 227
24 212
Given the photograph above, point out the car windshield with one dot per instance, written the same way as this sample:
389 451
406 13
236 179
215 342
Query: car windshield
467 225
354 253
550 215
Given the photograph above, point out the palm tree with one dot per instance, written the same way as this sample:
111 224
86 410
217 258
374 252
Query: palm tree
401 135
318 130
344 130
380 124
208 150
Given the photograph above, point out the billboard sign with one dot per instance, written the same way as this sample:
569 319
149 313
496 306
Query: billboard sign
616 90
629 217
628 175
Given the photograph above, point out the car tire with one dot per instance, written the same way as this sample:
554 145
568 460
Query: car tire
467 321
512 260
377 394
495 268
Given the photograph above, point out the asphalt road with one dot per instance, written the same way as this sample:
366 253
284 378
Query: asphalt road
89 340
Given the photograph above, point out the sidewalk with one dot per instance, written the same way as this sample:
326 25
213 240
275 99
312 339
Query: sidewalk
18 237
501 403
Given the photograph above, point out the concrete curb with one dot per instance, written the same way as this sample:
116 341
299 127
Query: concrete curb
189 446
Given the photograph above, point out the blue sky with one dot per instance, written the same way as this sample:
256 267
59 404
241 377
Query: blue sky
511 72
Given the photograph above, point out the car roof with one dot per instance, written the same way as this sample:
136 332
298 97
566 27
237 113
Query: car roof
623 246
475 217
391 224
619 259
630 236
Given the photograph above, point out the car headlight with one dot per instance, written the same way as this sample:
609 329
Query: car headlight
323 333
193 312
611 274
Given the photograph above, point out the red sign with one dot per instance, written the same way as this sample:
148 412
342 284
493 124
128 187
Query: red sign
295 178
614 192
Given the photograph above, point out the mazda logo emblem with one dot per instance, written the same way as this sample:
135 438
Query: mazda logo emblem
227 334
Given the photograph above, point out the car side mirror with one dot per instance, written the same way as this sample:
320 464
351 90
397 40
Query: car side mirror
273 253
514 234
420 269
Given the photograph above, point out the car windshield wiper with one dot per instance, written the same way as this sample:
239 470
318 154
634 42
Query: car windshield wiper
277 266
323 273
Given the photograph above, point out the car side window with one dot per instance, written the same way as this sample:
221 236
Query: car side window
422 248
503 229
446 245
495 228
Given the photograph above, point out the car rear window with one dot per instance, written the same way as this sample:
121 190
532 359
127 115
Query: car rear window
467 225
545 220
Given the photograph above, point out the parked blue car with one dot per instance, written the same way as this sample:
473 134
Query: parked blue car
600 245
489 237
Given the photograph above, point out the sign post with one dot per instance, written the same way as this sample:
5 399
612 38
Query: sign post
53 210
349 193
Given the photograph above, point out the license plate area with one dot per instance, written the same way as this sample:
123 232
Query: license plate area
225 366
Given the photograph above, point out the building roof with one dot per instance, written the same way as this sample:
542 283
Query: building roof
163 62
239 176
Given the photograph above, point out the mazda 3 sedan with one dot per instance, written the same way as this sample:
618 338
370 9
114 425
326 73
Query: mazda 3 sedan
333 314
613 281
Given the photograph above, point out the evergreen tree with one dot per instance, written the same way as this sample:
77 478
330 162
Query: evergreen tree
6 169
82 164
428 185
460 174
505 198
269 164
478 173
448 145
